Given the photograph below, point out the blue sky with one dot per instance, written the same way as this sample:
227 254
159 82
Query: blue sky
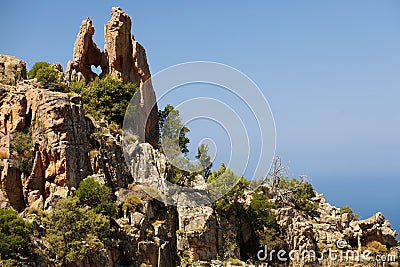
329 69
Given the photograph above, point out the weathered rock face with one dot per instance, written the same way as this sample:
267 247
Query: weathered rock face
118 59
12 70
59 132
123 58
197 233
68 147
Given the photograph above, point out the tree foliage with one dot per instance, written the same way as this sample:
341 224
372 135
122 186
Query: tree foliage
263 221
106 98
47 76
260 212
14 235
21 147
225 180
302 193
131 203
37 66
171 125
74 231
96 196
377 248
204 160
78 86
347 209
303 201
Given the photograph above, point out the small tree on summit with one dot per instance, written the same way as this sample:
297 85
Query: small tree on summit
46 76
37 66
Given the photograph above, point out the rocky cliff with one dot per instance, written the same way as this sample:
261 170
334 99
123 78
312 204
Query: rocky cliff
63 147
123 58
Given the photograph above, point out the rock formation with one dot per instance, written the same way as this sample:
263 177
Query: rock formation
86 54
12 70
59 131
123 58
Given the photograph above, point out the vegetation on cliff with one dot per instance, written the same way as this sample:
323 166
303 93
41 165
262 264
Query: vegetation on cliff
220 181
47 76
96 196
15 235
73 231
105 98
170 125
21 150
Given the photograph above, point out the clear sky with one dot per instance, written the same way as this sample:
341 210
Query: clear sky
329 69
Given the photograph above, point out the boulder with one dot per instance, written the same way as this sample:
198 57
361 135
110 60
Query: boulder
12 70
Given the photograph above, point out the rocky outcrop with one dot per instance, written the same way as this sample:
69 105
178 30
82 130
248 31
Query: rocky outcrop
303 233
197 233
60 137
11 185
123 58
86 54
12 70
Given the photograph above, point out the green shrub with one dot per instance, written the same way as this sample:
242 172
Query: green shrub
303 195
47 76
347 209
77 87
37 66
21 147
204 160
131 203
97 196
185 258
221 180
73 232
106 98
263 221
260 213
234 262
14 235
114 128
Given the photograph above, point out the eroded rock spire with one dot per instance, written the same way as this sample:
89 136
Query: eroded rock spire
123 58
